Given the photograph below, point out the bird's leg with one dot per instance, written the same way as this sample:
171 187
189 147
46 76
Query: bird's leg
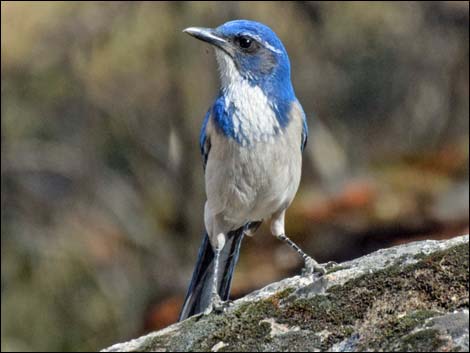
216 303
311 265
277 229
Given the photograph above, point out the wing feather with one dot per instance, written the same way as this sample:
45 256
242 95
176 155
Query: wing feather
204 139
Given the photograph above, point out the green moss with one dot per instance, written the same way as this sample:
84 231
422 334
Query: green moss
419 256
336 269
414 319
456 349
283 294
422 341
393 329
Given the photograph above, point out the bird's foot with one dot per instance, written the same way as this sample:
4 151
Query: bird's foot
313 268
217 305
330 264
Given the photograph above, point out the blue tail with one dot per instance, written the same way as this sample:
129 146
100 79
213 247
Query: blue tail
199 292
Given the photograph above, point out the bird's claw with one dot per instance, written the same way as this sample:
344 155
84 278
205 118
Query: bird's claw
330 264
312 267
217 305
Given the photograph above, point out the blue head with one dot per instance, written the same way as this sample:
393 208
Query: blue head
251 51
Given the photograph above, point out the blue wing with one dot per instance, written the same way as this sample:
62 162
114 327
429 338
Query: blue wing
304 134
204 140
296 113
222 122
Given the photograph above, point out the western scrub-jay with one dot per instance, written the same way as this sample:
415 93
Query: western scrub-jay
251 141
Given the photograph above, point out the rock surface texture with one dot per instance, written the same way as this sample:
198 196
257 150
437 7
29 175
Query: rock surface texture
411 297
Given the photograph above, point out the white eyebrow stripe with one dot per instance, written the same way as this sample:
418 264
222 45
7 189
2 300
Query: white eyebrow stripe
266 44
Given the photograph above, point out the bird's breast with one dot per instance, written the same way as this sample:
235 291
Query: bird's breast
252 180
250 113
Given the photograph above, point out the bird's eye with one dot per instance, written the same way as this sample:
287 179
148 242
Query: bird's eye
245 42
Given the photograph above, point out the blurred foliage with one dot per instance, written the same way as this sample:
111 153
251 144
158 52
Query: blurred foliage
102 185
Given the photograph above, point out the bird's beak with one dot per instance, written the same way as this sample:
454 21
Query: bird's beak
208 35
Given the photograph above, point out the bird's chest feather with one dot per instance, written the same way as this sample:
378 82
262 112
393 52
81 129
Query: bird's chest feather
257 167
251 114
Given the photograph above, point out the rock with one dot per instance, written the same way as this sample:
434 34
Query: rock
412 297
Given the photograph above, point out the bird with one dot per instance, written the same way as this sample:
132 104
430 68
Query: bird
251 141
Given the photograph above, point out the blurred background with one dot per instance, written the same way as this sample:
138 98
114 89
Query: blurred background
101 179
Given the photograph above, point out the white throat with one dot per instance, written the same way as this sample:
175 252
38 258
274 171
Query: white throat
254 119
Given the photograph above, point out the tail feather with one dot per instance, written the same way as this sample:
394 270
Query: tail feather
200 289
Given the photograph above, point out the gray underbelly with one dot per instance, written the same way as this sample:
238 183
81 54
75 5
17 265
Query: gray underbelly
251 183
